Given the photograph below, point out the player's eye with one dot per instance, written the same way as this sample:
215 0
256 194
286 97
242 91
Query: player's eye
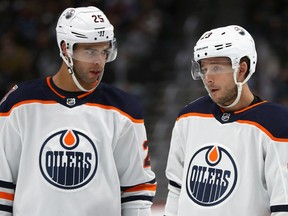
90 53
216 69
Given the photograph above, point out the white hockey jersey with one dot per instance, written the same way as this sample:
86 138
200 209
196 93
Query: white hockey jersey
223 164
64 153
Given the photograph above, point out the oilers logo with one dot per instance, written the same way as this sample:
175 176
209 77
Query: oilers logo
68 159
212 175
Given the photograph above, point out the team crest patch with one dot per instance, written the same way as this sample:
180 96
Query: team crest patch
68 159
212 175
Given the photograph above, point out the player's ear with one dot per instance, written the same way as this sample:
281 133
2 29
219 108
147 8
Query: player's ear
64 48
243 71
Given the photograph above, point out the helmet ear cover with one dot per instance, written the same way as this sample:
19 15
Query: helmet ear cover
85 25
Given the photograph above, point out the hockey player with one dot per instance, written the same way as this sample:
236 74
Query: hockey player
70 144
229 150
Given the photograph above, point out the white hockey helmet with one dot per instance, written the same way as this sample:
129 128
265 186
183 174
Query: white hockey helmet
231 41
85 25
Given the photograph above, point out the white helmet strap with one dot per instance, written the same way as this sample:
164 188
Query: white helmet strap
239 91
239 88
72 73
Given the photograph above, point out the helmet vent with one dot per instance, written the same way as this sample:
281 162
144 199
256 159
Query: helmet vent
222 46
70 13
79 35
219 47
242 32
228 44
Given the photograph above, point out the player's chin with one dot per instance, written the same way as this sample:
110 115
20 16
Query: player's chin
214 94
216 98
93 78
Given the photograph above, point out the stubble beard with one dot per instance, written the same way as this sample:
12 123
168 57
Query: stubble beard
227 97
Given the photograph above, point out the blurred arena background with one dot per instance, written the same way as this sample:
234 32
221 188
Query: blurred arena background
155 46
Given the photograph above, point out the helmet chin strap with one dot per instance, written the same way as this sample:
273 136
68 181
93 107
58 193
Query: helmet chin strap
72 73
239 89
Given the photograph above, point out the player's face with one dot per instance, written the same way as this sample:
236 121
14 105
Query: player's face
218 80
89 62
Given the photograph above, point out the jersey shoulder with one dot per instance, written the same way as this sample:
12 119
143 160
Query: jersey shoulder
111 96
27 90
269 110
203 105
105 95
270 116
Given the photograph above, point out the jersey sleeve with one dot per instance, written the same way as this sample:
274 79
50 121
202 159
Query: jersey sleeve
137 180
174 170
276 174
9 160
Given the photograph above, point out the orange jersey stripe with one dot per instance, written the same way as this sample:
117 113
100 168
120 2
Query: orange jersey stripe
89 104
250 107
7 196
118 110
239 121
50 86
194 114
264 130
27 102
142 187
48 80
